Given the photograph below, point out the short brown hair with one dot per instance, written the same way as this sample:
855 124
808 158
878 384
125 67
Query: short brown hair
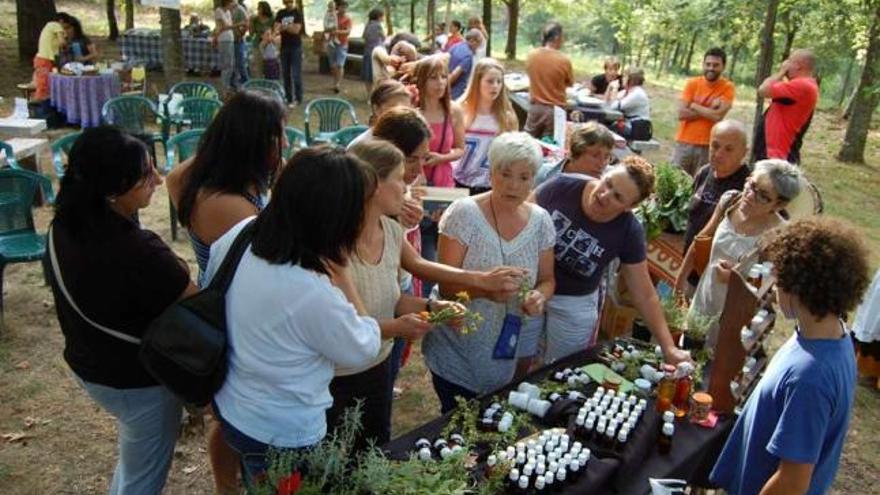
642 173
380 155
822 261
405 127
589 134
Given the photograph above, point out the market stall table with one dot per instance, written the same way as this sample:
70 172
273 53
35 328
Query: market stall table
81 98
692 456
145 46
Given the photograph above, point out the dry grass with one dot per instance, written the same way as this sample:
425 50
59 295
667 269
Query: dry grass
70 444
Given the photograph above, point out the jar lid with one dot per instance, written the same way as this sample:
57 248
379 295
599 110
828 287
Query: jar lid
702 398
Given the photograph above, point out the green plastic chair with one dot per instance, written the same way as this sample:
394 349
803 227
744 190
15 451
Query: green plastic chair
266 85
132 113
185 144
60 147
296 141
8 155
193 89
19 240
330 113
197 113
347 134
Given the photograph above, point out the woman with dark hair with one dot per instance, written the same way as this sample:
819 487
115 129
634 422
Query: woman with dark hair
374 35
260 22
225 182
293 313
387 94
80 47
110 279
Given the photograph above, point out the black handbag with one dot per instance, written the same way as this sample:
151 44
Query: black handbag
184 348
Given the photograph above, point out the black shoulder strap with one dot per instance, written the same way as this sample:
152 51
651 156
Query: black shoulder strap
226 272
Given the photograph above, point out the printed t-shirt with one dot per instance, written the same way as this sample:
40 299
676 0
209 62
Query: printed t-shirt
286 17
707 191
584 247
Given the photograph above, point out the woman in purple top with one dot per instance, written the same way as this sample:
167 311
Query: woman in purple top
594 224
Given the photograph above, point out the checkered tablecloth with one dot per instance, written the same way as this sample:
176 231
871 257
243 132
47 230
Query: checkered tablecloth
145 46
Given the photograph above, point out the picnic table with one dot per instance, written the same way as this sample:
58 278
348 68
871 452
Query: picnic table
579 100
692 457
81 98
145 46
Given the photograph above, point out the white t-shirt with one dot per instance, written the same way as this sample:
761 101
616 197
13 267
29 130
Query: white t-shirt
222 18
288 328
472 169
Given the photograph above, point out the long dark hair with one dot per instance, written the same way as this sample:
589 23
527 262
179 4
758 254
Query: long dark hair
103 162
239 150
316 211
78 34
265 9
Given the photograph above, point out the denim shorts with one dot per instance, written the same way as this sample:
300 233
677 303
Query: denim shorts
336 54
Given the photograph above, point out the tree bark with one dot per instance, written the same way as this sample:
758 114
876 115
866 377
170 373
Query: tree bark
865 101
733 58
448 16
389 22
690 52
172 48
487 21
31 16
412 16
432 5
512 28
113 26
765 63
847 79
129 14
790 33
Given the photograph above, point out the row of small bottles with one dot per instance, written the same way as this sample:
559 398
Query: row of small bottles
608 418
442 447
543 465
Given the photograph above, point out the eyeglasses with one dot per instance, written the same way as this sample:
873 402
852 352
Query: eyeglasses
763 197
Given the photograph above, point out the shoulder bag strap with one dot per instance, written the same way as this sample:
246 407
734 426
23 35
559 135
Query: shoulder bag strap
57 271
226 271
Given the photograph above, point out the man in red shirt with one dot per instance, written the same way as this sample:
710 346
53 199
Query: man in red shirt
786 120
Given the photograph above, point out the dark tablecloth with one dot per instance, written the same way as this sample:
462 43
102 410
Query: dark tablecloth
693 454
82 97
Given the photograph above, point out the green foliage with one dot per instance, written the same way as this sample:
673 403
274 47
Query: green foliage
464 421
674 312
668 208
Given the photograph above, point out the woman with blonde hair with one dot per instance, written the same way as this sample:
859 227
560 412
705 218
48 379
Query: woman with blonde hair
487 113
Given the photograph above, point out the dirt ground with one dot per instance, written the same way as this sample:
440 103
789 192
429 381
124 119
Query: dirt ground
53 439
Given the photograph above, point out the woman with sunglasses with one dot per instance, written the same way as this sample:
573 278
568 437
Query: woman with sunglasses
739 220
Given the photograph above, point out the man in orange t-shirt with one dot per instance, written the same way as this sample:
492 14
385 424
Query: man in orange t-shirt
550 74
705 100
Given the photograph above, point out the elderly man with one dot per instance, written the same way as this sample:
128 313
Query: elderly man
461 61
550 74
704 101
781 131
727 170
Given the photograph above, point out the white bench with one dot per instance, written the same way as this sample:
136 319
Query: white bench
643 146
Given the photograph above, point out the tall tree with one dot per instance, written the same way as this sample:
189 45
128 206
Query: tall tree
31 16
389 21
487 21
765 60
111 19
172 47
512 27
412 16
867 95
432 7
129 14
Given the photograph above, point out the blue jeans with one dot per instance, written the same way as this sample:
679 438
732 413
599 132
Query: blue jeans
291 69
148 420
253 453
448 391
240 75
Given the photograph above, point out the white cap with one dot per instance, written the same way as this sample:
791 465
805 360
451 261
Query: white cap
539 469
425 454
668 416
575 466
560 475
445 452
539 482
553 466
623 435
550 477
668 429
528 469
492 460
523 482
514 474
511 452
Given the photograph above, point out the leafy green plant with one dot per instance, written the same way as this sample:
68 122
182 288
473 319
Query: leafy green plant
696 326
668 208
464 421
674 312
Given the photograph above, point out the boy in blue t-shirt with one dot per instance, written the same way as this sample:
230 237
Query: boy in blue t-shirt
791 432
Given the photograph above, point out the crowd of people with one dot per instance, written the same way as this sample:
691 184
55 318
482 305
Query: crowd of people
325 300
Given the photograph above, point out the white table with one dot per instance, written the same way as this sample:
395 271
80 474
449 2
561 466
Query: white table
21 127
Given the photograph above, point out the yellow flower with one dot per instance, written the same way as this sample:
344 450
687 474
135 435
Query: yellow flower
463 297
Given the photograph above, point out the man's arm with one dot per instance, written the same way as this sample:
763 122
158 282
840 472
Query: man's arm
455 74
714 114
685 113
764 88
790 478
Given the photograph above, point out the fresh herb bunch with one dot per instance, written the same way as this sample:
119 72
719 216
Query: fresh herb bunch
696 326
464 421
668 208
525 286
674 311
471 319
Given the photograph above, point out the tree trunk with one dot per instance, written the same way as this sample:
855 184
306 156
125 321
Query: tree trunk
172 48
389 22
690 52
432 5
847 79
31 16
865 101
789 40
447 17
675 55
733 57
512 27
765 63
487 21
641 52
412 16
113 26
302 10
129 14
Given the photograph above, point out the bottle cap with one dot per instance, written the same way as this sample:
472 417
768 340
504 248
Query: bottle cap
575 466
514 474
440 443
539 482
623 435
539 469
668 429
425 454
668 417
549 477
491 460
553 466
560 475
523 482
423 442
511 453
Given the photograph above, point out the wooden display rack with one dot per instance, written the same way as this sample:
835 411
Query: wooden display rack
730 353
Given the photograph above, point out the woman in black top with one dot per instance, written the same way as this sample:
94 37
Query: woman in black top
111 278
